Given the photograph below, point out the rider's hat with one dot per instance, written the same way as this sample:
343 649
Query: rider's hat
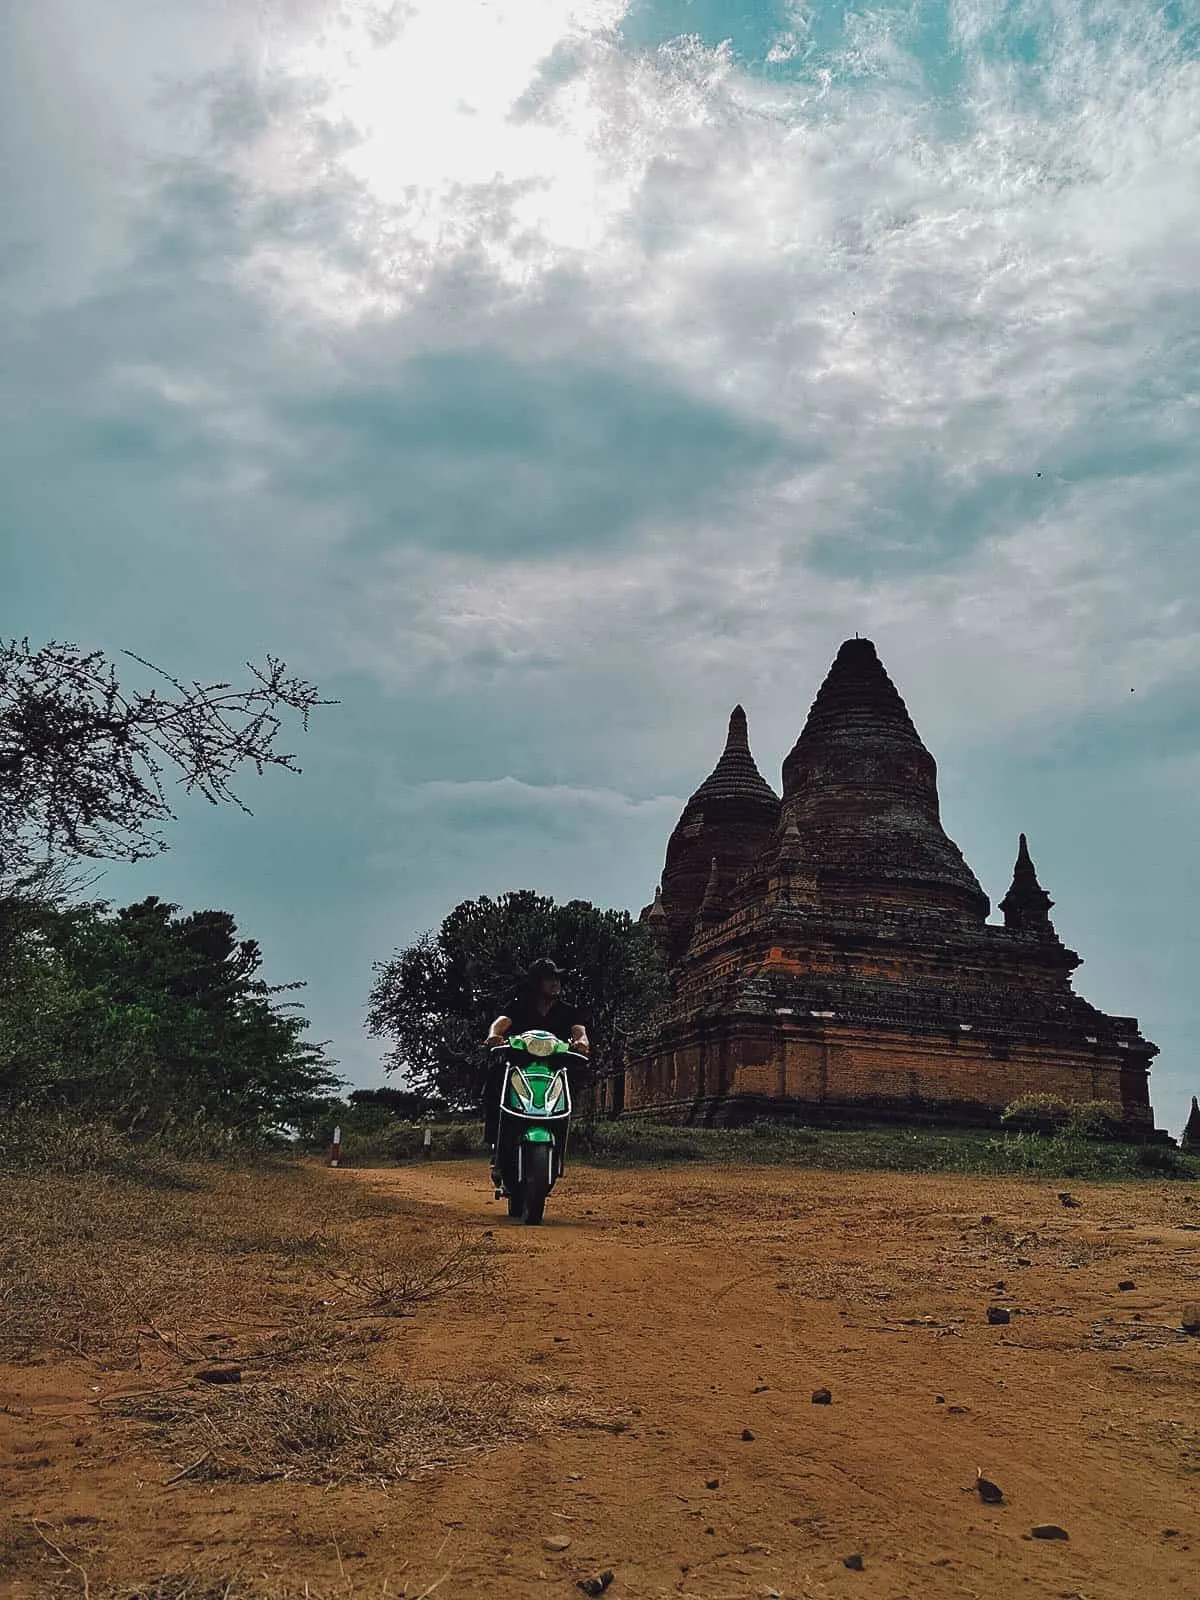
545 968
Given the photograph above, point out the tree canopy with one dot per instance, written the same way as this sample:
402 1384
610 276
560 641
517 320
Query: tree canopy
149 1018
435 1000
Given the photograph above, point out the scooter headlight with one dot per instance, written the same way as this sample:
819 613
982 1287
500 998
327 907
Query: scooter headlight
541 1045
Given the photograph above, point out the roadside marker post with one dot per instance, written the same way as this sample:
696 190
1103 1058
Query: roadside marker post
337 1148
429 1141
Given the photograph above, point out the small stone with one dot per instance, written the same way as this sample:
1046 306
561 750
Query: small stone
990 1493
998 1316
1126 1285
822 1397
557 1544
1190 1321
853 1563
574 1477
959 1411
1049 1530
747 1436
1024 1261
939 1399
220 1374
713 1483
597 1584
1170 1533
1069 1201
987 1221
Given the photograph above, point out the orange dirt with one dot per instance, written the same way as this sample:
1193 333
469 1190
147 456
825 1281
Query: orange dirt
698 1307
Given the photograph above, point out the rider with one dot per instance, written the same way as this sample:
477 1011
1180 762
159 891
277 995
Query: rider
539 1004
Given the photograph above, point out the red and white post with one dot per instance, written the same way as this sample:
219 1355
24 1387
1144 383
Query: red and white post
336 1156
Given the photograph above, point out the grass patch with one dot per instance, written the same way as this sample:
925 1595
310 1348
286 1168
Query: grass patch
335 1429
632 1143
910 1150
61 1561
93 1263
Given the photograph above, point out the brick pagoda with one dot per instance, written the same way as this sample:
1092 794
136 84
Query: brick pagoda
830 953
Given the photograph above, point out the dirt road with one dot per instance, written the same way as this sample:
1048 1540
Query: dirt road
697 1312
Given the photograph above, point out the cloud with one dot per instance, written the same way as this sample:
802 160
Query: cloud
483 453
545 375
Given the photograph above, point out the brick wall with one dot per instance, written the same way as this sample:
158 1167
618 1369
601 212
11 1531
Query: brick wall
844 1065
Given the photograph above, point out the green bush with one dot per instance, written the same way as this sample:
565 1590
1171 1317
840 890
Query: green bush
1094 1119
1050 1114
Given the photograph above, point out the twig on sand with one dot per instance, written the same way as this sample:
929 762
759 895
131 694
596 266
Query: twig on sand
425 1593
187 1471
64 1557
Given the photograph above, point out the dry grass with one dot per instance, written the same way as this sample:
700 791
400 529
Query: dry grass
335 1429
55 1562
98 1266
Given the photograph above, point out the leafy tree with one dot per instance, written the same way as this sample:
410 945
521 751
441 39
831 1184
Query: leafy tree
149 1019
435 1000
83 762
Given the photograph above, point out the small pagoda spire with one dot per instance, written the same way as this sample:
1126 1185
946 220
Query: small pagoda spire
1191 1133
789 846
1026 906
712 907
656 919
735 776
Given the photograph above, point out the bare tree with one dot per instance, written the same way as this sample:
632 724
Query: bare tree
84 762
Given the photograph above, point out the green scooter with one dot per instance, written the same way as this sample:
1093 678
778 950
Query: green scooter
535 1122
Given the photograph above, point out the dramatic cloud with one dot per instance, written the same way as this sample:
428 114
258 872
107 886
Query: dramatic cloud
547 374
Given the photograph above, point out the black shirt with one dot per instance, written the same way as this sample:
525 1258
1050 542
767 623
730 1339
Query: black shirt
561 1018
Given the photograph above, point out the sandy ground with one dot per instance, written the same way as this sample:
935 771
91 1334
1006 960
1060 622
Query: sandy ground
698 1311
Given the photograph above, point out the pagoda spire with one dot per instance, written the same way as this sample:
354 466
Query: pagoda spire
1191 1133
735 776
1026 906
731 816
862 789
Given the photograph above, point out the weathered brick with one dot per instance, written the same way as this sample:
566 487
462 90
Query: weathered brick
832 950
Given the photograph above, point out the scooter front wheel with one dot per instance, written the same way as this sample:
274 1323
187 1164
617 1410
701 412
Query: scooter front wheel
536 1183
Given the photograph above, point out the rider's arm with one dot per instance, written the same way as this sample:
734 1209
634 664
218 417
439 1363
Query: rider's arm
499 1032
579 1039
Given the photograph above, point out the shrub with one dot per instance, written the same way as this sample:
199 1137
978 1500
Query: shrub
1094 1119
1050 1114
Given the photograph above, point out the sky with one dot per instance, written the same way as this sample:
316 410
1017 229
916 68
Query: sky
542 377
